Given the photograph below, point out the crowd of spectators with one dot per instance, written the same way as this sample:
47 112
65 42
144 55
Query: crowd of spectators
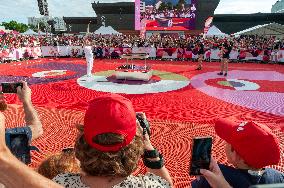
151 13
255 45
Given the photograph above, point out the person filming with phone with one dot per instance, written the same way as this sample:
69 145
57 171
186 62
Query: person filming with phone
249 147
110 145
19 138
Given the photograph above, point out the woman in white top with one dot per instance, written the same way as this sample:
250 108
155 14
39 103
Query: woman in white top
88 50
110 146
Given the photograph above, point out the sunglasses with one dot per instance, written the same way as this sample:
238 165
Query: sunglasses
68 150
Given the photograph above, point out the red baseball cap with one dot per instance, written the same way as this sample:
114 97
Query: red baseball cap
110 113
254 142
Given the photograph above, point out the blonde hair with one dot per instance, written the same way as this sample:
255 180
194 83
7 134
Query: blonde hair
64 162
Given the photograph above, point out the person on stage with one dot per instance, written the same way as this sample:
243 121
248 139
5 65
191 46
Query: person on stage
226 49
200 55
88 50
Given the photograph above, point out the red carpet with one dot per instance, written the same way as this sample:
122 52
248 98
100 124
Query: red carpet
176 116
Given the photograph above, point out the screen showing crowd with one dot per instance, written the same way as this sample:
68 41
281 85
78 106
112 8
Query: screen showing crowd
167 14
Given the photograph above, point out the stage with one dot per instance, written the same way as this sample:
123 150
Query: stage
179 101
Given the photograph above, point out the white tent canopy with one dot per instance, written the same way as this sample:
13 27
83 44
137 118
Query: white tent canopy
29 32
214 31
106 31
271 29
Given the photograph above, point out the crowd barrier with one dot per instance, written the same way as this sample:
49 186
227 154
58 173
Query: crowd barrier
164 53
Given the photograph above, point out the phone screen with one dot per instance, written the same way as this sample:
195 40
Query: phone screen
19 146
201 154
10 87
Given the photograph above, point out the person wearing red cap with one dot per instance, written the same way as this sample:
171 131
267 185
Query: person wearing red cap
249 147
109 146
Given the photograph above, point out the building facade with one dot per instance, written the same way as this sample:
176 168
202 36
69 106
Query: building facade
232 23
59 25
81 24
278 7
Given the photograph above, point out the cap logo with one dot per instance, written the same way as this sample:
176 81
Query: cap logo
241 126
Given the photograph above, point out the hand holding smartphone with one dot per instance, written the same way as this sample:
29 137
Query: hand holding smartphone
201 155
10 87
144 123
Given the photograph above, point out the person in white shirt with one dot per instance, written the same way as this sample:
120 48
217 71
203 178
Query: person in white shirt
88 50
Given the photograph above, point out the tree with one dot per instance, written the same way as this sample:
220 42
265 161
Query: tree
170 5
43 26
163 6
180 3
13 25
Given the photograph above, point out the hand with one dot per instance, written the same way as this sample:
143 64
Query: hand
214 176
3 104
1 96
24 93
147 142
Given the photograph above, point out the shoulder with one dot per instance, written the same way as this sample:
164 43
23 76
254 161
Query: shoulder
156 180
273 176
69 180
149 180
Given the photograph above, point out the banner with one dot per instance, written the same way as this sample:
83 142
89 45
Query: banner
207 24
280 56
115 52
167 53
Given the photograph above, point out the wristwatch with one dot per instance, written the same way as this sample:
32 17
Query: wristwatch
151 153
154 164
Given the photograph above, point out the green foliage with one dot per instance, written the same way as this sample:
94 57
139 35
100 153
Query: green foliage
41 26
180 3
13 25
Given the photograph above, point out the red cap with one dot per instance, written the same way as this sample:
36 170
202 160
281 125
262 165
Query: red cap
110 113
254 142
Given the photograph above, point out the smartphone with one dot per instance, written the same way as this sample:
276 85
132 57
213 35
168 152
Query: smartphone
144 123
10 87
19 146
201 154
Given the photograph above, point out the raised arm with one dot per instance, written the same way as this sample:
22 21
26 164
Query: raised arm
163 171
31 116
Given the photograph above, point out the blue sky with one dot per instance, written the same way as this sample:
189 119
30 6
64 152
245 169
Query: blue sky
19 10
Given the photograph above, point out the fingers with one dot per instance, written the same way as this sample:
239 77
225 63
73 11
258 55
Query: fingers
1 95
214 166
19 89
25 84
207 173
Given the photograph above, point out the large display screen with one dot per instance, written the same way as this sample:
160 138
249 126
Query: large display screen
165 14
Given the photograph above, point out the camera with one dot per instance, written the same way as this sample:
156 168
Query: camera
11 87
143 123
18 143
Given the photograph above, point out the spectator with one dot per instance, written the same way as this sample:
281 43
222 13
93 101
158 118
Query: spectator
63 162
110 146
249 148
